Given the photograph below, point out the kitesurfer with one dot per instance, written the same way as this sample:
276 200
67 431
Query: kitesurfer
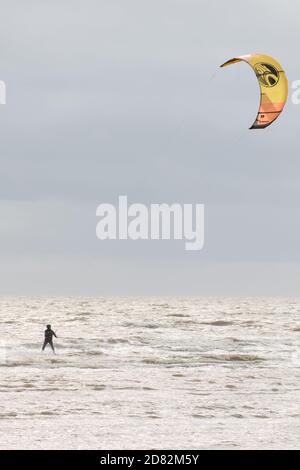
49 333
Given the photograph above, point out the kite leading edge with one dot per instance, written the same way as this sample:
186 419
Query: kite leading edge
273 86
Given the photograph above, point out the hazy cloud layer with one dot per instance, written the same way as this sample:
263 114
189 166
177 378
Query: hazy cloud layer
111 97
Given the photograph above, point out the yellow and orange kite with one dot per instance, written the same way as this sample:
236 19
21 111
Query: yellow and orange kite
273 86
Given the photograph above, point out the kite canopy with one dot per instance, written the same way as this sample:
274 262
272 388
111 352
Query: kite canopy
273 86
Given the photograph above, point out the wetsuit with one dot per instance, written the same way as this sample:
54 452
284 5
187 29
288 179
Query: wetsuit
48 338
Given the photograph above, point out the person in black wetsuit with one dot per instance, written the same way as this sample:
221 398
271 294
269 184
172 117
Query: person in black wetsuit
49 338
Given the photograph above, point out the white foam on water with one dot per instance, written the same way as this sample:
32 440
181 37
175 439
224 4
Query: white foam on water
150 373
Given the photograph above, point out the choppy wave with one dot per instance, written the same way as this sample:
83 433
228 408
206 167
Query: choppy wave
219 323
124 364
234 358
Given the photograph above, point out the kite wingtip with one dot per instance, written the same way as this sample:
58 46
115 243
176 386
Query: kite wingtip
256 126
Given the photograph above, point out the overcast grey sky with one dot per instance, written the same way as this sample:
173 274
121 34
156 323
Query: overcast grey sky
109 97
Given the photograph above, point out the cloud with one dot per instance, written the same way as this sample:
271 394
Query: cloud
111 97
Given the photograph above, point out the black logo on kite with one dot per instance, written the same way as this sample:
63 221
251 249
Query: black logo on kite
267 74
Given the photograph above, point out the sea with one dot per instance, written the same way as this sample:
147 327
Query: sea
150 373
